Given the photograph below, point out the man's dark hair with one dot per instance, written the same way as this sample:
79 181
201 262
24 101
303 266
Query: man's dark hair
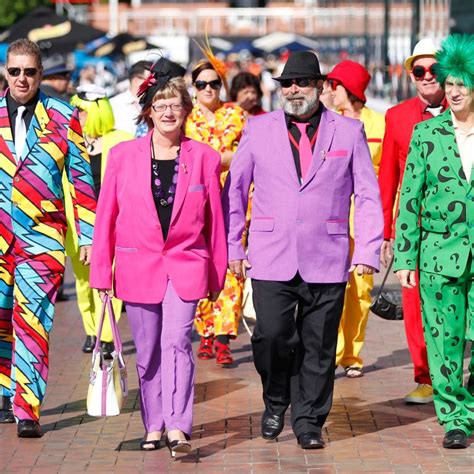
138 69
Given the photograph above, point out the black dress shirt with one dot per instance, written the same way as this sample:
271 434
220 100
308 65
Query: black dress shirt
13 105
295 133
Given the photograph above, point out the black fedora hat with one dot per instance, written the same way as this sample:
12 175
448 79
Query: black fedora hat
301 64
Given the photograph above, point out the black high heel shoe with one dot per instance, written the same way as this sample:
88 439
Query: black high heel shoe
178 446
154 444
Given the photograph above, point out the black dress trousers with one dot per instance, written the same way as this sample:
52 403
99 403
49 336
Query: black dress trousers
295 355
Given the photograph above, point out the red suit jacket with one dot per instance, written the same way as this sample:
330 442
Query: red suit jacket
399 123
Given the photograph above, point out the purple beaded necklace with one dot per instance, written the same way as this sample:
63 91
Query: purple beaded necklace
158 191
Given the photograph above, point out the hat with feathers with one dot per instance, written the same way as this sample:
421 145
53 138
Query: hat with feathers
456 59
160 73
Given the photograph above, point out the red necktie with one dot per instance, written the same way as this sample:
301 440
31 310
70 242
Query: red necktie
304 147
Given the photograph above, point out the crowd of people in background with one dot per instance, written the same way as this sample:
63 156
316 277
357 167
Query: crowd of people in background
392 84
220 172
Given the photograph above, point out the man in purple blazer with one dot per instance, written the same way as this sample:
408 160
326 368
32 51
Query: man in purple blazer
306 163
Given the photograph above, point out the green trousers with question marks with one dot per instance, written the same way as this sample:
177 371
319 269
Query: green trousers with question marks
448 321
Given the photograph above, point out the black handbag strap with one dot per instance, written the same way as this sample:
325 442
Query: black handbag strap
385 278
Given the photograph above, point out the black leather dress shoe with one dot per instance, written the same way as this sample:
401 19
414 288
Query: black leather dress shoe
89 345
311 440
29 429
107 349
272 425
6 412
455 439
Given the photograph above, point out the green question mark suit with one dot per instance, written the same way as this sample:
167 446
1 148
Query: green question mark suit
435 232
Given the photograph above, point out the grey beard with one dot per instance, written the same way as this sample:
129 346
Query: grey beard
303 107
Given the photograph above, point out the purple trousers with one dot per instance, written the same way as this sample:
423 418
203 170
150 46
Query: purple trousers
165 363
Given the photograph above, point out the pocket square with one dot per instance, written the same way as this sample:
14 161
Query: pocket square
337 154
196 187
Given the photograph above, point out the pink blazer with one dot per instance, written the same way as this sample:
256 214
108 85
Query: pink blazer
128 250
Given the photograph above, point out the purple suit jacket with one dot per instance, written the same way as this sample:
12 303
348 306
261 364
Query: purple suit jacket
303 227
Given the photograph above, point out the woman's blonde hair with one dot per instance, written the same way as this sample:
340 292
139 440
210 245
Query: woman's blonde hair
100 117
174 88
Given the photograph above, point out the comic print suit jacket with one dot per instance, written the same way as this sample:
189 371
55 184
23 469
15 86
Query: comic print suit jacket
31 191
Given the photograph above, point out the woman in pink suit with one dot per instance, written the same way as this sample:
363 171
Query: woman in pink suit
159 245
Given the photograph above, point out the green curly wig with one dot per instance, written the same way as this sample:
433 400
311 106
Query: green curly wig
456 59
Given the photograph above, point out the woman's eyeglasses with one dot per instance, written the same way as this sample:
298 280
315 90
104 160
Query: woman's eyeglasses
215 84
162 107
419 72
28 71
300 82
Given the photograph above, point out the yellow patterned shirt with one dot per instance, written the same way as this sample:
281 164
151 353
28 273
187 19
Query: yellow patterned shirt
222 133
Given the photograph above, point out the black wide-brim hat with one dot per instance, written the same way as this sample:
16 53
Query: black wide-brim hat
301 64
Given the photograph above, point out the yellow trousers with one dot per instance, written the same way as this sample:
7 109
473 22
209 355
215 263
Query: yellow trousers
355 314
88 300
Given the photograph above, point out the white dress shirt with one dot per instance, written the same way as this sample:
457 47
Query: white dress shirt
465 142
126 109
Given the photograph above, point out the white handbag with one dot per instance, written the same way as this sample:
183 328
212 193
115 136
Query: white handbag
108 378
248 311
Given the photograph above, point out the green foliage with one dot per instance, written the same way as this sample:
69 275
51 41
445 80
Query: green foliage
12 10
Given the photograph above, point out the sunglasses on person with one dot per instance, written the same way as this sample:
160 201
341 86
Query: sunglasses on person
300 82
28 71
333 83
201 85
419 72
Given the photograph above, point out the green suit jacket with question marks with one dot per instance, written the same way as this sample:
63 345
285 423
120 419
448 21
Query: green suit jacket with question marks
435 225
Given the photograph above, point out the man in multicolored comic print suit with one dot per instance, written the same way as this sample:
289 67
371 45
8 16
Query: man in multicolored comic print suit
435 229
40 140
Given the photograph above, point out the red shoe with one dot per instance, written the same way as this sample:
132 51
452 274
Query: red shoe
223 355
205 351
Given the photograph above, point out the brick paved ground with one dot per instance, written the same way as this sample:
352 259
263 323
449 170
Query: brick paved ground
370 428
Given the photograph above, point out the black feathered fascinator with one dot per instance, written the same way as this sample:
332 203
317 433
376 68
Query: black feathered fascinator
160 73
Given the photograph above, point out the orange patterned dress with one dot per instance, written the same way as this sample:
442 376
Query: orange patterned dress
223 133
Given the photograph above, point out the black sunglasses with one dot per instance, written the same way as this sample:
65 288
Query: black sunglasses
201 85
28 71
420 71
300 82
333 83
